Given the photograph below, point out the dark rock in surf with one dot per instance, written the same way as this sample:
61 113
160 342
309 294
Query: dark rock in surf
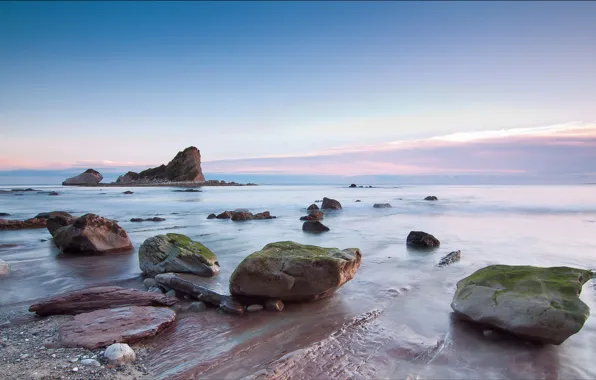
382 205
353 185
103 297
431 198
225 215
241 216
211 216
314 226
187 191
58 221
22 224
47 215
53 193
450 258
314 215
128 192
357 200
154 219
421 239
4 214
330 204
230 306
312 207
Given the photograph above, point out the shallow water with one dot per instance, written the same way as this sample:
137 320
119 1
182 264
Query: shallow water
363 330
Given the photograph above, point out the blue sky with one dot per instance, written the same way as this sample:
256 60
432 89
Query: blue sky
133 83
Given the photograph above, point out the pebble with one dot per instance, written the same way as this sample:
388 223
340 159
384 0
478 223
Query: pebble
198 306
274 305
254 308
75 369
90 362
487 332
171 293
24 356
149 283
74 360
119 353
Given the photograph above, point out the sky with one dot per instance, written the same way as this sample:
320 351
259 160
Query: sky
327 88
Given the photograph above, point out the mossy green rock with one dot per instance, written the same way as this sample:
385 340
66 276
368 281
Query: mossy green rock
176 253
294 272
536 303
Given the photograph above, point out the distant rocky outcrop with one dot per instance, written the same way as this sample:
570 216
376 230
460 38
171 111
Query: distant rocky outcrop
185 167
88 177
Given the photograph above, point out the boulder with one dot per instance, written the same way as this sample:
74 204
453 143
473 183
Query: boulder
119 353
92 233
4 268
535 303
312 207
450 258
382 205
421 239
330 204
194 286
211 216
22 224
225 215
176 253
58 221
431 198
314 226
102 297
290 271
240 216
101 328
314 215
88 177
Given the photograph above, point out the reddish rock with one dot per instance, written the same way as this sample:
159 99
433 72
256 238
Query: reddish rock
314 226
332 204
312 207
314 215
101 328
242 216
225 215
22 224
103 297
59 221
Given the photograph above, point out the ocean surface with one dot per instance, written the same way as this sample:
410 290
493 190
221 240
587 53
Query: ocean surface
375 325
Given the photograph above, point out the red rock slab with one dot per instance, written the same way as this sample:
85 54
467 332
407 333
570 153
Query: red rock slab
101 328
102 297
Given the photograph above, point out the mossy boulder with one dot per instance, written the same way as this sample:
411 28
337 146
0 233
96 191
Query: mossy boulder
294 272
536 303
176 253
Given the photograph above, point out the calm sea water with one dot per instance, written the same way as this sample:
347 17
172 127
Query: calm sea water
397 287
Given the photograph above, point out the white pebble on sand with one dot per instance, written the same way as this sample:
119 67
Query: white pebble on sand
119 353
75 369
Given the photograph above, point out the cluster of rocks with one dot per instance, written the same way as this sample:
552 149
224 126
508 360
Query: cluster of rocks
312 221
240 215
353 185
154 219
38 221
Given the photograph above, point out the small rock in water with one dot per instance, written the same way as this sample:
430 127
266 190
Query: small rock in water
211 216
357 200
90 362
431 198
128 192
314 226
198 306
274 305
422 239
24 356
120 353
149 283
255 307
382 205
451 258
171 293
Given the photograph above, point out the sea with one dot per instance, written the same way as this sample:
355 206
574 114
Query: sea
392 321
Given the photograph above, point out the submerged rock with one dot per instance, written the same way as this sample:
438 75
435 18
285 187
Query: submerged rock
92 233
119 353
294 272
382 205
330 204
101 328
431 198
176 253
421 239
149 283
53 193
534 303
198 307
102 297
88 177
314 226
450 258
4 268
128 192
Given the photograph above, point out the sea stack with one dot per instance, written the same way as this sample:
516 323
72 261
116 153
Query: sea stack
185 167
88 177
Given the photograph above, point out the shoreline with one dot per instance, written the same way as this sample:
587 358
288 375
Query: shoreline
168 184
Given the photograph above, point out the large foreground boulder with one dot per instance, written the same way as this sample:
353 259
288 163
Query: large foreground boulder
420 239
88 177
294 272
92 233
102 328
536 303
58 221
176 253
101 297
330 204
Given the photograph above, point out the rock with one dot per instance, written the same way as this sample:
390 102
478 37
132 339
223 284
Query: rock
104 327
382 205
225 215
155 290
48 215
92 233
318 201
230 306
119 353
192 285
128 192
274 305
4 268
332 204
185 167
58 221
53 193
102 297
22 224
137 220
27 189
4 214
294 272
149 283
176 253
450 258
198 306
263 215
211 216
431 198
239 216
171 293
357 200
314 215
422 240
535 303
90 362
312 207
353 185
187 191
255 307
154 219
88 177
314 226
